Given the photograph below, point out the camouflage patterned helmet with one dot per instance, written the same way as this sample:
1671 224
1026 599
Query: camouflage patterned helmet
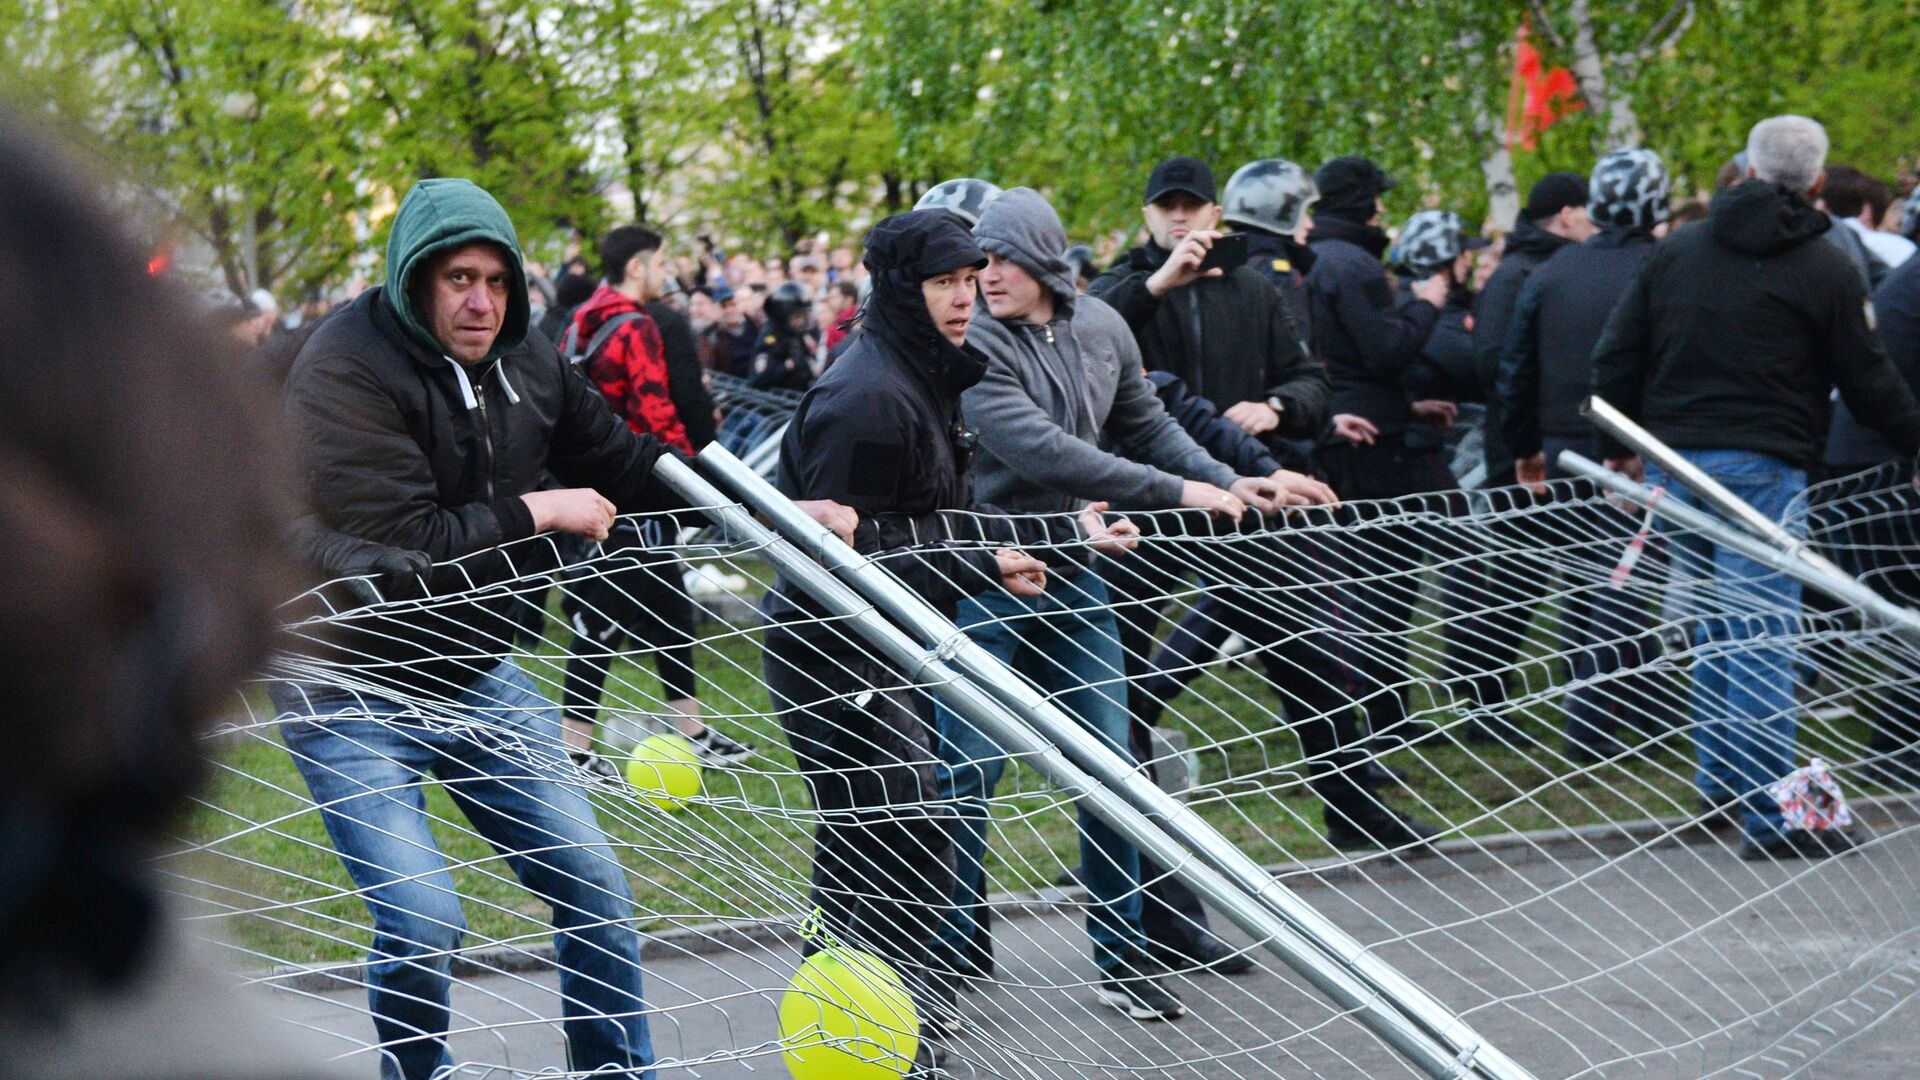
1430 241
1271 194
967 197
1910 216
1629 190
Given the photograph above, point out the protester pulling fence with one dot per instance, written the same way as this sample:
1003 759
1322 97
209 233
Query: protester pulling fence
1581 914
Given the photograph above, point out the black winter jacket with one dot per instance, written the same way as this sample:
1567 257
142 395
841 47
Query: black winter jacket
1285 264
686 378
1229 337
1547 370
1736 328
1366 339
395 455
1221 438
1447 368
883 435
1528 246
1852 446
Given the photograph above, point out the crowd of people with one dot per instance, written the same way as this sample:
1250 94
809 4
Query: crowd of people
982 405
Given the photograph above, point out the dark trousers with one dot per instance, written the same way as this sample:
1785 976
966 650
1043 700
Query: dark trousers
1867 520
1170 913
882 851
1606 630
1274 594
1379 559
633 592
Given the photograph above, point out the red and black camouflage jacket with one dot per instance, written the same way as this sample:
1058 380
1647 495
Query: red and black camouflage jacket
631 369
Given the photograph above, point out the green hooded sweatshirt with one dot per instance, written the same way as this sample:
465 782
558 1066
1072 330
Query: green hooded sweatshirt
448 213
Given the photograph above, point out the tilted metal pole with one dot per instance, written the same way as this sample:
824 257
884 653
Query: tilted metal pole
1038 722
764 458
1641 441
930 669
1815 572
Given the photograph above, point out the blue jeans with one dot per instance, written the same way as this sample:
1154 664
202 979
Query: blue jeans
1068 644
1743 677
365 759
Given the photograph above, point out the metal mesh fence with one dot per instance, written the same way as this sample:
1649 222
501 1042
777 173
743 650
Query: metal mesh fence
1521 671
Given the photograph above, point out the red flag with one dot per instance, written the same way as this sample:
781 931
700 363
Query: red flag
1538 96
162 259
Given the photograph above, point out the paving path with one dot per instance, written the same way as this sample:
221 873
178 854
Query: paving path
1674 961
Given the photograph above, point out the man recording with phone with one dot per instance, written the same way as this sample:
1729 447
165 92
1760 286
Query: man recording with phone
1199 312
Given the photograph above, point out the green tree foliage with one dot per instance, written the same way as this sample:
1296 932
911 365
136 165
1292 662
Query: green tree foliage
281 132
223 113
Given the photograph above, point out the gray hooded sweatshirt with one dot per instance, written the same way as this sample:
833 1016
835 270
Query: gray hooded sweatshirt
1053 390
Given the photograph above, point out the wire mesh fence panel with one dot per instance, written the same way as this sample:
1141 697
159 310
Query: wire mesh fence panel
1464 727
752 417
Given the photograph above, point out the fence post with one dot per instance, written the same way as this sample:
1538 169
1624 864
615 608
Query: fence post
1033 721
1797 562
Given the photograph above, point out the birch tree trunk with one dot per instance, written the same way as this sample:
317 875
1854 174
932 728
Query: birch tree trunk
1496 165
1590 71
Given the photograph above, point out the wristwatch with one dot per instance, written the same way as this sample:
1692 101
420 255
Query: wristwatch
1279 407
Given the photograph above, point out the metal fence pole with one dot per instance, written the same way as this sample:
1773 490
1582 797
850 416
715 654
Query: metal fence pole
1195 837
929 668
1641 441
1797 562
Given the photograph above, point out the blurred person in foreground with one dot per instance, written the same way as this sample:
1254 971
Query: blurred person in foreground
139 582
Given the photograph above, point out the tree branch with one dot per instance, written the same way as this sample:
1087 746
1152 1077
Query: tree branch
1543 22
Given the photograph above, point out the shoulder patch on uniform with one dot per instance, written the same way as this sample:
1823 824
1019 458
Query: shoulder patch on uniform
1282 266
770 340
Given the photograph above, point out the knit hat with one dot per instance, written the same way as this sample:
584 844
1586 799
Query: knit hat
1349 185
1553 193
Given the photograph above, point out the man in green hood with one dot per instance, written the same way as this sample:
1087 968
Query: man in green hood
428 417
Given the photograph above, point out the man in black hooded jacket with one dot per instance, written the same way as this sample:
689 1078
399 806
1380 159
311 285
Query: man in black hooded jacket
1725 347
1554 217
427 415
882 431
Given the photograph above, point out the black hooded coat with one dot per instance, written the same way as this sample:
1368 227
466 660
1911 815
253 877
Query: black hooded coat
882 430
1736 329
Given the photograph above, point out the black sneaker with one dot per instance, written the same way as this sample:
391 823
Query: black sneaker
1207 953
716 749
1798 844
1141 997
1377 826
600 770
1717 816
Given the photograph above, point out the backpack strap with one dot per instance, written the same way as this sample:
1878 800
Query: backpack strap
599 340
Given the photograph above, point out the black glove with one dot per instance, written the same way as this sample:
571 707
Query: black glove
381 573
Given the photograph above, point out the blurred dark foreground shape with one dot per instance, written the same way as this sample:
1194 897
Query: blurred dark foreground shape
139 566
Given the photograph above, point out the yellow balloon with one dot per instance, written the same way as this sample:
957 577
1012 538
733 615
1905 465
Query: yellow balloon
665 770
847 1016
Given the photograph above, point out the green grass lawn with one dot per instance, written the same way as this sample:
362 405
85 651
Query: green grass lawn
257 856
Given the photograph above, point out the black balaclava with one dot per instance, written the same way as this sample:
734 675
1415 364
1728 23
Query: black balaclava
902 252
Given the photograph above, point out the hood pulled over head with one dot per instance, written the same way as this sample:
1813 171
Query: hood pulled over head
1764 219
441 215
1022 226
902 252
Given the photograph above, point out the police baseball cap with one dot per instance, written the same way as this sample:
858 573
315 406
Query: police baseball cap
1187 174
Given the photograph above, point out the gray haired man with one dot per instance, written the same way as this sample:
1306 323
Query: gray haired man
1725 347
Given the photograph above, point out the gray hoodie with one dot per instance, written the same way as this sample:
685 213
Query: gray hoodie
1053 390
